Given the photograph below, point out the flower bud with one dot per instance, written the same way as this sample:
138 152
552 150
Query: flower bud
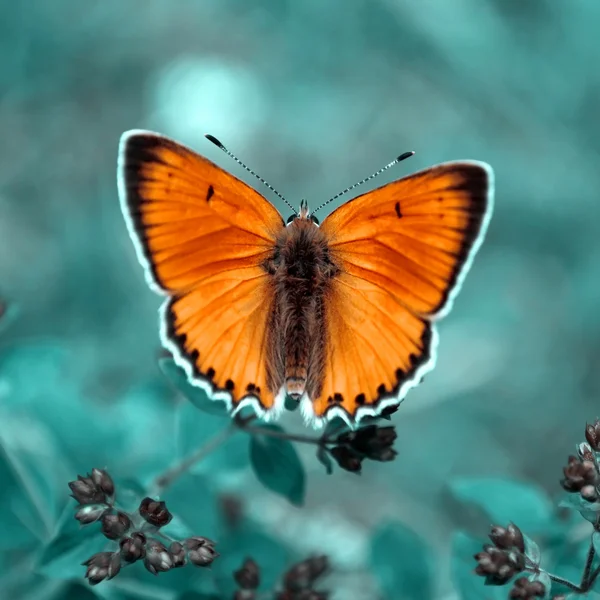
84 490
200 551
177 552
89 513
115 526
347 459
103 481
248 576
155 512
101 566
508 538
133 548
303 575
157 557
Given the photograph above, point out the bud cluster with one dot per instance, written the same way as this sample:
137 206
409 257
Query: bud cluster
500 561
371 442
298 581
524 589
96 496
581 475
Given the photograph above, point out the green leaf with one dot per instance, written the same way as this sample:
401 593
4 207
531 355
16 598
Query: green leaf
278 466
196 395
468 585
402 562
71 544
504 500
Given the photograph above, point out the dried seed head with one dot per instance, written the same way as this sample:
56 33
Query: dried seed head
90 513
347 459
155 512
157 557
201 551
177 552
248 576
101 566
115 526
133 548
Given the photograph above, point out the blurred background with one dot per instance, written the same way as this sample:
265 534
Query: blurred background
313 96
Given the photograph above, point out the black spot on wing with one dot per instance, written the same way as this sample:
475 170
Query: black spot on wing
210 193
397 208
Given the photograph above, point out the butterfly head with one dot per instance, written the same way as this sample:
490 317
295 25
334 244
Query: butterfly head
303 214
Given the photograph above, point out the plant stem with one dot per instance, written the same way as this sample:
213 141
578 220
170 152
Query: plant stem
585 580
593 577
169 476
565 582
303 439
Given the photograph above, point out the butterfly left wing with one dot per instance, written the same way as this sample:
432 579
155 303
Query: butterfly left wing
202 236
402 251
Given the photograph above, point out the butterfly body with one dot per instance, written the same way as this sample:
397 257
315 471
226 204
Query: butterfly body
301 270
340 316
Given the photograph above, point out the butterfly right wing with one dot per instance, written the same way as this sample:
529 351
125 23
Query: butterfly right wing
203 236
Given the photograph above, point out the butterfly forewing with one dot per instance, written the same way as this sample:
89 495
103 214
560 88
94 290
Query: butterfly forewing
402 250
202 235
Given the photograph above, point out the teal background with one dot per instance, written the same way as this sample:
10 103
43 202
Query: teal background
313 95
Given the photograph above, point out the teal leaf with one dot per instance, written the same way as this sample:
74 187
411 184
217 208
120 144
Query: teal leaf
532 550
402 563
596 542
325 459
545 580
277 465
78 591
33 480
591 595
504 500
197 596
196 395
70 545
468 585
588 510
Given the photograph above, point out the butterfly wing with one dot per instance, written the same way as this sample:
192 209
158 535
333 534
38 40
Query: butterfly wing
403 251
202 236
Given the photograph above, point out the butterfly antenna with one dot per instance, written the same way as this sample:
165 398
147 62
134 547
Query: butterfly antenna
394 162
216 142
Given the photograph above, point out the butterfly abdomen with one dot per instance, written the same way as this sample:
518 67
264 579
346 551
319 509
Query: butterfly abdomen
301 270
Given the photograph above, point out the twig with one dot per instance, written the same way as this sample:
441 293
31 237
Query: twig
167 478
585 580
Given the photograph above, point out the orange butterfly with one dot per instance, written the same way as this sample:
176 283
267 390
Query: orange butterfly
340 316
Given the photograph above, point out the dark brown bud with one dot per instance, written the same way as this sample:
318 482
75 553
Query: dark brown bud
498 566
177 552
346 459
524 589
90 513
579 473
201 551
303 575
508 538
592 435
133 548
115 526
103 481
371 441
585 452
248 576
85 491
157 557
101 566
155 512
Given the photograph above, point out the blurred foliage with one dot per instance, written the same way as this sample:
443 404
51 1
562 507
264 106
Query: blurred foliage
312 95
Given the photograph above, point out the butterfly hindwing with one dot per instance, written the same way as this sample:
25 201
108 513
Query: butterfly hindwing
202 235
403 250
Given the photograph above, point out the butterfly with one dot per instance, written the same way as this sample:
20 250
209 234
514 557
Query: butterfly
338 316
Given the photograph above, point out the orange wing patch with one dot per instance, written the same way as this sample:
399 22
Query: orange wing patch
202 235
403 250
